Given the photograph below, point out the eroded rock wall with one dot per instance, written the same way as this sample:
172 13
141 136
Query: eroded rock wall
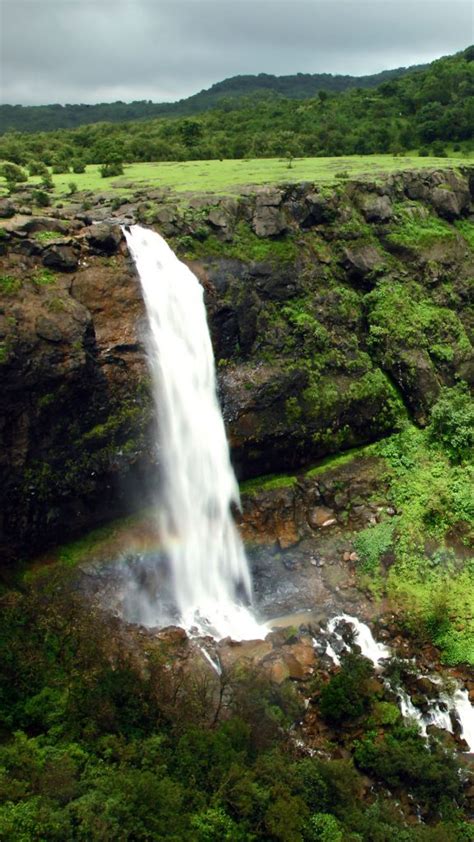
334 312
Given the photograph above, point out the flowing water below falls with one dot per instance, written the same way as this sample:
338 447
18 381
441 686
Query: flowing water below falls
440 712
210 579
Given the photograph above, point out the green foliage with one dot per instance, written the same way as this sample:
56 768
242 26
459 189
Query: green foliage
347 695
267 483
78 166
41 198
245 245
402 759
372 544
46 236
434 501
214 823
466 229
111 168
47 180
306 327
323 827
43 277
403 316
37 168
416 230
250 117
9 285
452 422
12 173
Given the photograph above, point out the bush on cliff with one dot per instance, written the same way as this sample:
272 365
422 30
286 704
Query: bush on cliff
452 422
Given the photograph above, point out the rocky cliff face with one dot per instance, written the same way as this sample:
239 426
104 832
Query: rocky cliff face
333 313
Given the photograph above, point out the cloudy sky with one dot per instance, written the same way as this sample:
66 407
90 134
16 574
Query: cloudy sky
105 50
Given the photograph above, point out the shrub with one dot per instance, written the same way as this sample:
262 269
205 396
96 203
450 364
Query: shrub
111 168
37 168
438 150
12 173
371 544
78 166
452 422
60 166
347 696
47 180
403 759
41 198
72 187
323 827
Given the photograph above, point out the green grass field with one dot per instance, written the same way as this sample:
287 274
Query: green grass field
230 176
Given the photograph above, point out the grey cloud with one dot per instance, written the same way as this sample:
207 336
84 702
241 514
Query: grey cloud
99 50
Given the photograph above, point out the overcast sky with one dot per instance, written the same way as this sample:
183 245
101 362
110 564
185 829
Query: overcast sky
105 50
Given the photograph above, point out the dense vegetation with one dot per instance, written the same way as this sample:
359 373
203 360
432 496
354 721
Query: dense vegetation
97 745
37 118
424 109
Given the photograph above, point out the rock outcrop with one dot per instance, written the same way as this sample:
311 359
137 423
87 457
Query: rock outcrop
333 313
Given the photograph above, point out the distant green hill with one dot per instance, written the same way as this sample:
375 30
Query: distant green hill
424 109
39 118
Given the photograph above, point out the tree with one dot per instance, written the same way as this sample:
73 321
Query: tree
191 132
12 173
111 168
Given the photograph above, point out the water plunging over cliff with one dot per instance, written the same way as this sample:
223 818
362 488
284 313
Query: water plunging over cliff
210 575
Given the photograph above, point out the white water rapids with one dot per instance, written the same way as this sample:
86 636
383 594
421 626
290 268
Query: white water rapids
211 579
439 710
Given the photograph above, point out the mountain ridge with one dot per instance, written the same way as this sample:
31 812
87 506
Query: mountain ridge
49 117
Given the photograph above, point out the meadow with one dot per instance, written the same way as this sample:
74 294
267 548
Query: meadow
232 175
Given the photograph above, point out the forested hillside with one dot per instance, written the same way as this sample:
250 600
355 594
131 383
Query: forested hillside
424 109
34 118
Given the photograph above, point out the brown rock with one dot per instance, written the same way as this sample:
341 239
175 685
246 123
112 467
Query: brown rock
300 658
287 535
320 516
277 670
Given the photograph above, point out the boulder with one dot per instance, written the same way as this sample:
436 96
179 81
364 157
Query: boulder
45 223
104 238
376 208
268 221
448 203
218 218
416 376
320 516
361 261
7 208
315 210
277 282
47 329
61 257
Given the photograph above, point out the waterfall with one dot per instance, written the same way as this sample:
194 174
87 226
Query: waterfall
210 576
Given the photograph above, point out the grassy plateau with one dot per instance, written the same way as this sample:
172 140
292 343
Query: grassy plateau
230 176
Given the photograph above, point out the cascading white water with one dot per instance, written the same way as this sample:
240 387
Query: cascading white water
211 579
363 637
465 713
439 711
